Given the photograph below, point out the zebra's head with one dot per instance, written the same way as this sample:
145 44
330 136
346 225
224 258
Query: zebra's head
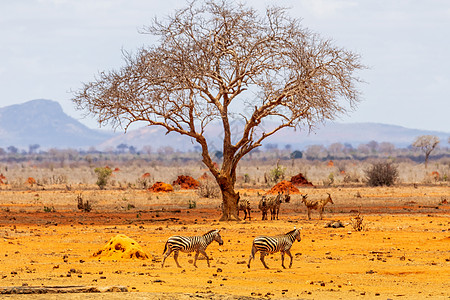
217 237
296 234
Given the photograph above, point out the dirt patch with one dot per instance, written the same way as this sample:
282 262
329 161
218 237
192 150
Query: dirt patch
161 187
300 180
284 187
186 182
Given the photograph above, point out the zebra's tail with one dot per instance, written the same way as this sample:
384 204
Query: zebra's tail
252 255
254 250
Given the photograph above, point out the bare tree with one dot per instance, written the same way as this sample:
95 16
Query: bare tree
221 61
427 143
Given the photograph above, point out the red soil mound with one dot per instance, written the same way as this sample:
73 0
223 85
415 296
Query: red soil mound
283 187
161 187
300 180
186 182
205 176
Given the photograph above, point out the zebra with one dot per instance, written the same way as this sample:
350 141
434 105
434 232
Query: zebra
263 207
190 244
275 203
244 205
280 243
316 204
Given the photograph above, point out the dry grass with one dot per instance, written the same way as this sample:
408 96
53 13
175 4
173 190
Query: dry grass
250 174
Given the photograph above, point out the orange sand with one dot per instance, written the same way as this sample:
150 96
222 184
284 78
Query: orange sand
400 256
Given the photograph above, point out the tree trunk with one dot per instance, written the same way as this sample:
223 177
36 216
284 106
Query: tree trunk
229 207
230 200
427 155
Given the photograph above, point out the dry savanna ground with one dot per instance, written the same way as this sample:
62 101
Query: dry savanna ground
403 252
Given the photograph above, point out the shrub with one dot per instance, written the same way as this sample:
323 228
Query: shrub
209 189
192 204
103 175
277 173
382 174
49 209
357 222
83 206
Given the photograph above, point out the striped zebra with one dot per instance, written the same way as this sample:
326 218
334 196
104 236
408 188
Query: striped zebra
264 207
268 245
275 203
244 205
198 244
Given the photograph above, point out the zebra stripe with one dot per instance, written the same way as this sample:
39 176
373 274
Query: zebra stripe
281 243
273 204
190 244
244 205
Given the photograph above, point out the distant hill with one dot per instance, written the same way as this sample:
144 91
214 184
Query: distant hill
352 133
43 122
355 134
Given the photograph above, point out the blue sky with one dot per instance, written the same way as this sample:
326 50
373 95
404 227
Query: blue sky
49 47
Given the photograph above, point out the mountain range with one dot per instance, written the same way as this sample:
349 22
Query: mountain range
44 123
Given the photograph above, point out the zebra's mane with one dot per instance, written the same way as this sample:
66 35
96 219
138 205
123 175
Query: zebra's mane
210 231
291 232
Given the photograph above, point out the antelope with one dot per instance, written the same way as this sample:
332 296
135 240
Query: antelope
316 204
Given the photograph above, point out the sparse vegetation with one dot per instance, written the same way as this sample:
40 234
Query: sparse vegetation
83 206
357 222
192 204
103 175
382 174
49 209
208 189
277 174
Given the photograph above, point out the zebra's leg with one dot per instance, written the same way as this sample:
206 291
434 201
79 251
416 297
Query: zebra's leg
252 255
249 218
169 250
282 259
321 213
288 252
204 254
175 256
195 259
245 214
278 211
263 253
309 213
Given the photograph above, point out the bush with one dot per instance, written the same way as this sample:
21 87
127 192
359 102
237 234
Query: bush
277 174
103 175
209 189
382 174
